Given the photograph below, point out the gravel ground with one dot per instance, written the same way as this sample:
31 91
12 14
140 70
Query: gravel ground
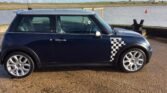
152 79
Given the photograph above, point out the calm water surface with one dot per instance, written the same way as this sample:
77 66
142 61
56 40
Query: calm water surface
153 15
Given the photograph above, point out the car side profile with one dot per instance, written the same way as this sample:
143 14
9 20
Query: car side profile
50 38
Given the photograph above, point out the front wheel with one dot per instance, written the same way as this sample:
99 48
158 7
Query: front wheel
133 60
19 64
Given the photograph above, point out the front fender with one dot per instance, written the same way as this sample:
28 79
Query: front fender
145 48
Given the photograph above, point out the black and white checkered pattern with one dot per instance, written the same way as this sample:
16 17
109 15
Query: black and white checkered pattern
116 44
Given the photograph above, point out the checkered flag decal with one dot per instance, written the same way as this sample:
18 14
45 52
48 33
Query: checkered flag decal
116 44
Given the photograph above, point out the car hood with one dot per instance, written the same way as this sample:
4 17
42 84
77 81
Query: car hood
125 32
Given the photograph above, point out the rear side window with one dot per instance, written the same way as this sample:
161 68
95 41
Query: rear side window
34 24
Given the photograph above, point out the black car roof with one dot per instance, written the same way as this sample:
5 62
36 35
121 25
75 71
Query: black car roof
55 12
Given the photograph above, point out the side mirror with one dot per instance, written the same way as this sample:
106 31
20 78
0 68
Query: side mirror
98 33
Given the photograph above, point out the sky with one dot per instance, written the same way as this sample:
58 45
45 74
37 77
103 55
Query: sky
62 1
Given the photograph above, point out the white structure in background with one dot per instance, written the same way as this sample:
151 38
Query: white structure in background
157 0
148 0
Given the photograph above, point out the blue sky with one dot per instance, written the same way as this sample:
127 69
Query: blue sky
61 1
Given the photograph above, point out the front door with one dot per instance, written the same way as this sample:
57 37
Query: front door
75 41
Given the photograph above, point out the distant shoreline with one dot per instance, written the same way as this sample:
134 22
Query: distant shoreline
15 6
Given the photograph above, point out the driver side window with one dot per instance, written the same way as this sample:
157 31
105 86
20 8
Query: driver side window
76 25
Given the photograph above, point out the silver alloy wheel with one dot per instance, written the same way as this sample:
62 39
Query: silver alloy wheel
18 65
133 60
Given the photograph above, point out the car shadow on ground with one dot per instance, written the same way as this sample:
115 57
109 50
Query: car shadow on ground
159 39
78 68
4 74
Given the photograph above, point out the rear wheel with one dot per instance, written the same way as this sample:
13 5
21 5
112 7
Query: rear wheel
19 64
133 60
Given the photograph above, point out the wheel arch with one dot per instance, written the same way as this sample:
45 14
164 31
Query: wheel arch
130 47
28 51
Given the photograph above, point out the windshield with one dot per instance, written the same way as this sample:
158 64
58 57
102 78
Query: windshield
107 26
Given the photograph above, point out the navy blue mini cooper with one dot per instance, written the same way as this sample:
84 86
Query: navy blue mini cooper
47 38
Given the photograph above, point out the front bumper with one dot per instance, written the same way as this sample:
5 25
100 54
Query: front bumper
150 51
0 57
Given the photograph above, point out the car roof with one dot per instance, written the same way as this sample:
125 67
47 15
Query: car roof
55 12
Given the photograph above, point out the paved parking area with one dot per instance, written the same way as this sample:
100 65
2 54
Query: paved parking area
152 79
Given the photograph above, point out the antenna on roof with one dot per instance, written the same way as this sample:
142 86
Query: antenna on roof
28 6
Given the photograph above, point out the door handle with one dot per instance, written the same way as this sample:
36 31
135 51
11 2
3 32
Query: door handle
60 40
50 39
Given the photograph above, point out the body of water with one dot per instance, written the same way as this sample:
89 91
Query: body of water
6 16
153 15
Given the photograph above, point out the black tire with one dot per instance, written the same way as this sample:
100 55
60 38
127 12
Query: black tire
121 63
29 60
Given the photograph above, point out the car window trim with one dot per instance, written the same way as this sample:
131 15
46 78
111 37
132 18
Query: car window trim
77 34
